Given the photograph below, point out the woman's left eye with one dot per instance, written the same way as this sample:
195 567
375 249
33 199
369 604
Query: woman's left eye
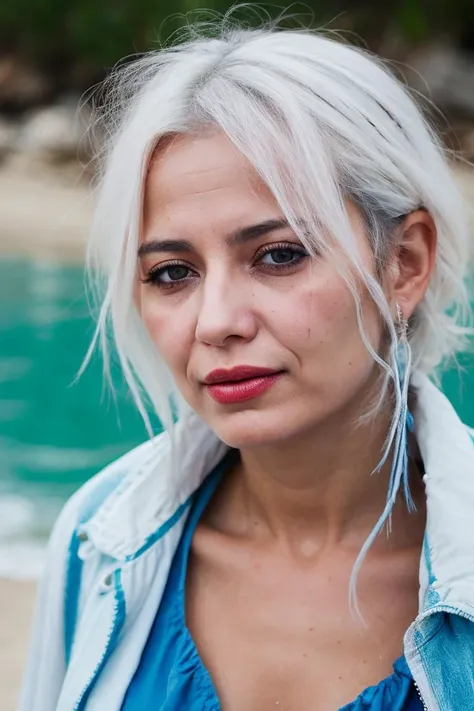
283 256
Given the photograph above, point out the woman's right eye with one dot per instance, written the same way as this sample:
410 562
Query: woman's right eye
167 275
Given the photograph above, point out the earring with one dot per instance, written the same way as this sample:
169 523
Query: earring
402 422
402 323
397 441
402 372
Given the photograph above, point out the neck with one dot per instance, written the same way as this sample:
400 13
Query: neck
318 492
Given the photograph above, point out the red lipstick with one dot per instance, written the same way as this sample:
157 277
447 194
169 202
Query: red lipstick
244 382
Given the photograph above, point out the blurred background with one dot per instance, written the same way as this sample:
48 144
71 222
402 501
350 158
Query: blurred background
54 432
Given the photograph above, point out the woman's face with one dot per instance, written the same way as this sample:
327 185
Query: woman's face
225 283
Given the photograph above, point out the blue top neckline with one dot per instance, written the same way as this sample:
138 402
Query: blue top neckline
171 674
200 503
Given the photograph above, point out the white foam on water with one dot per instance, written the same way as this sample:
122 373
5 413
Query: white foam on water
22 560
24 528
17 515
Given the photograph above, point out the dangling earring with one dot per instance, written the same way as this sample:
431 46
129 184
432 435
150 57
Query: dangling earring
397 442
402 323
402 422
399 474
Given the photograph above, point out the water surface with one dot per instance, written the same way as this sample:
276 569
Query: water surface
54 433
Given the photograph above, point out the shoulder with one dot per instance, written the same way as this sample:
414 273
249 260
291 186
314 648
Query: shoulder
94 494
73 563
139 494
66 580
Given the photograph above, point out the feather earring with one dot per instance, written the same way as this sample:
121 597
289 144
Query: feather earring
403 359
397 443
403 423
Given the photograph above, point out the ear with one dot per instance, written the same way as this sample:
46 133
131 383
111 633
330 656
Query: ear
413 261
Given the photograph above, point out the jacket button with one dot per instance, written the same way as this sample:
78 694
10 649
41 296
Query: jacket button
108 580
83 537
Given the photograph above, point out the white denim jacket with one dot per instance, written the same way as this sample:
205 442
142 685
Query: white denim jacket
112 547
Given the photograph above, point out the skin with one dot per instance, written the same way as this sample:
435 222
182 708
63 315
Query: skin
267 583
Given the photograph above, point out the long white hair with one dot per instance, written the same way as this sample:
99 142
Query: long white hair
322 122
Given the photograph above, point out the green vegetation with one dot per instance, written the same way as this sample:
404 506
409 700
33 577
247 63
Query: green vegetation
77 40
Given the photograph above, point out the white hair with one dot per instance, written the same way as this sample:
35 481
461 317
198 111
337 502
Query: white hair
322 122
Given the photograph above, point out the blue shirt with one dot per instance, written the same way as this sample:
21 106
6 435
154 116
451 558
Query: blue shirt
171 675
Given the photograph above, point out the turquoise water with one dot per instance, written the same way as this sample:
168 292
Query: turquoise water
54 434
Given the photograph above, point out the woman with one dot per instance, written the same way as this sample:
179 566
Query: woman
284 249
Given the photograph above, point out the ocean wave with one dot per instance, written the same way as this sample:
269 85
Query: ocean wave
51 458
25 525
23 560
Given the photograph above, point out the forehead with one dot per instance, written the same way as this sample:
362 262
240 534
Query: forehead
203 185
195 170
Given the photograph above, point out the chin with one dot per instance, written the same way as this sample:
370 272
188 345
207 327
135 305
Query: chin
249 429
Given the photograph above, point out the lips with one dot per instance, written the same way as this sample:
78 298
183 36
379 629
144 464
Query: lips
240 372
241 383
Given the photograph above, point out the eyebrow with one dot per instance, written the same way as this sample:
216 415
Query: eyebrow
238 237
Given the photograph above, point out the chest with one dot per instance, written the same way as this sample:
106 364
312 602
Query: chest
279 635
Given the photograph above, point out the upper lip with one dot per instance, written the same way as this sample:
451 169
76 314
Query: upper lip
239 372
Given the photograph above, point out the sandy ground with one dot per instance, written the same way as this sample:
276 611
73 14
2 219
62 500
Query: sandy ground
16 609
45 213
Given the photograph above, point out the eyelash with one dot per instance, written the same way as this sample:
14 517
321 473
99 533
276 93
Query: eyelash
299 251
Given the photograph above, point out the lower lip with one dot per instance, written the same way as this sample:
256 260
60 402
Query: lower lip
241 390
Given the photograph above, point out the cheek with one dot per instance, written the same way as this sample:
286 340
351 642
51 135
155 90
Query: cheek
170 330
318 314
321 328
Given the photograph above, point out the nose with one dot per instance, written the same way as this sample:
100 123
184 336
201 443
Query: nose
225 311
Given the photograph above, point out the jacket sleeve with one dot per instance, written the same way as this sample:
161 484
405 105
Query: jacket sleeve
46 666
46 663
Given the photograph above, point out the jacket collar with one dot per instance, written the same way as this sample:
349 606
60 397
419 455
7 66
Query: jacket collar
156 486
447 449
